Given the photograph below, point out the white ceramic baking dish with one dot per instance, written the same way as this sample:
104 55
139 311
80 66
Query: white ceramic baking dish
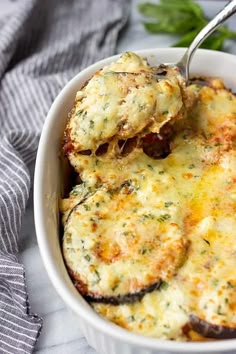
104 336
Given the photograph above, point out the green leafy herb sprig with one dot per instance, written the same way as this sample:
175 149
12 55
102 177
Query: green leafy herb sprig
184 18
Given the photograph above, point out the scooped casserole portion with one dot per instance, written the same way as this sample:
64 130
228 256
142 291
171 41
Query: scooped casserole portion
149 226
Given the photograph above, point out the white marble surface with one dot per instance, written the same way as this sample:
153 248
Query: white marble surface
61 333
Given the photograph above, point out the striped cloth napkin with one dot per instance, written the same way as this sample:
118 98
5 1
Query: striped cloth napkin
43 44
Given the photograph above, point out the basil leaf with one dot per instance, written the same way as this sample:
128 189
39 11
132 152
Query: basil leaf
184 18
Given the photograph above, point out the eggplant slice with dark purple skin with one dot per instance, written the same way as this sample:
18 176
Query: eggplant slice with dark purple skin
115 250
124 299
211 330
113 300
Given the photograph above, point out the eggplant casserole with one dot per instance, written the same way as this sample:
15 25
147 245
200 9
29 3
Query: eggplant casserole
149 228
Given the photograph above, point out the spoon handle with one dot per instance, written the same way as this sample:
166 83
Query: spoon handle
225 13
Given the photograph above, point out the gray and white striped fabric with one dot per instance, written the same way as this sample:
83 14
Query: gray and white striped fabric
42 45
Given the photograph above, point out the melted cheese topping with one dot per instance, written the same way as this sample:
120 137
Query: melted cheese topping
120 242
205 284
204 170
193 193
118 102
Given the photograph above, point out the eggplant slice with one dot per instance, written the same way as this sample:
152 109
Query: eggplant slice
124 299
211 330
120 104
117 248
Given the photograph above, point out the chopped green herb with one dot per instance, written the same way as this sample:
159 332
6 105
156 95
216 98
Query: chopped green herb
219 311
207 241
164 285
167 204
87 257
147 216
208 147
191 166
97 275
141 106
114 287
229 285
111 192
79 112
74 193
131 318
91 124
163 217
215 281
82 114
68 237
150 167
144 250
106 105
86 207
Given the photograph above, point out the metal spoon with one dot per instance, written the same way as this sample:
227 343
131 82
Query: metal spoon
185 61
